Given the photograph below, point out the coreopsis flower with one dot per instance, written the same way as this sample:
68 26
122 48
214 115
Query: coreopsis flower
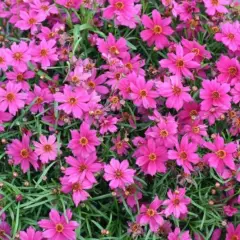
157 30
177 203
22 154
118 174
20 56
43 8
178 235
142 93
216 6
70 3
152 157
176 94
59 227
151 215
233 233
73 101
180 63
124 12
229 35
30 21
44 53
215 94
4 117
4 58
235 92
114 48
82 168
185 154
229 69
76 188
120 146
108 124
83 143
30 234
5 230
46 148
222 154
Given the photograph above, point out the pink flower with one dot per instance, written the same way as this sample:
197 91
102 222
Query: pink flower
177 235
82 168
20 56
229 70
107 124
177 203
59 227
230 211
165 133
152 158
222 154
120 146
30 234
180 63
142 92
83 143
11 98
216 6
40 97
235 92
22 154
124 12
157 30
229 35
4 58
185 154
214 94
112 47
78 76
5 230
70 3
46 149
174 91
44 53
118 174
43 8
74 102
233 234
4 117
77 188
150 215
30 21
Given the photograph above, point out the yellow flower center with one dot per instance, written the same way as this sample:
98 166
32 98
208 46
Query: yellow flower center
59 228
221 154
157 29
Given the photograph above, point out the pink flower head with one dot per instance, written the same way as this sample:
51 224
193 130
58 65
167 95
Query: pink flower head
20 56
59 227
215 94
222 154
165 133
118 174
180 63
229 69
150 215
11 98
83 143
174 91
74 102
4 117
43 8
157 30
185 154
30 234
177 203
30 20
46 149
120 146
44 53
142 92
108 124
235 92
152 158
112 47
5 230
22 154
178 235
124 12
216 6
230 210
232 233
82 168
78 76
229 35
4 59
77 189
70 3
